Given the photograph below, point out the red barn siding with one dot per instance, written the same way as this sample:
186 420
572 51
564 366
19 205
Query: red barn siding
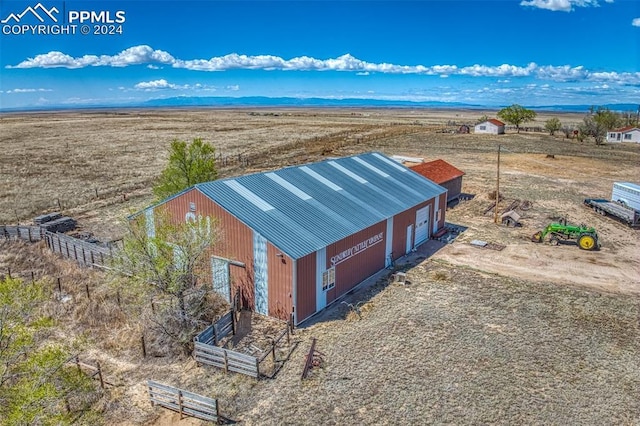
280 271
235 238
363 264
402 220
454 188
305 287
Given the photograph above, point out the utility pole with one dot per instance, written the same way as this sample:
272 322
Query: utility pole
495 214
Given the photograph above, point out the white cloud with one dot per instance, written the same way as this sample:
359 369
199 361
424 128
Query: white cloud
636 22
28 90
162 84
156 85
233 88
145 55
503 70
135 55
561 5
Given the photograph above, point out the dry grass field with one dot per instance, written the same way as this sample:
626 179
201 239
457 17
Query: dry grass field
531 334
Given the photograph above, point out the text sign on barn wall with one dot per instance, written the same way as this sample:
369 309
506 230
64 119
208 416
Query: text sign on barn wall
357 249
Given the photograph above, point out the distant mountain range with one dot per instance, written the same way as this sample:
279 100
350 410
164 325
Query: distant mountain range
354 102
263 101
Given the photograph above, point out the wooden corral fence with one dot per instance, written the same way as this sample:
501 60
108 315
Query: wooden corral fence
184 402
86 254
206 350
26 233
93 372
227 359
83 252
218 330
536 129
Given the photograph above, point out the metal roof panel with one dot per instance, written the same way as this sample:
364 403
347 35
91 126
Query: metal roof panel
302 209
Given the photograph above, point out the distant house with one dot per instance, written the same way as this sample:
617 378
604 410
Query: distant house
444 174
493 127
626 134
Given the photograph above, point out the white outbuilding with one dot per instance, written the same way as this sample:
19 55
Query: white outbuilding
626 134
492 126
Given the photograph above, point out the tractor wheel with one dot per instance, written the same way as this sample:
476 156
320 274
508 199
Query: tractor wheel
554 241
537 237
587 242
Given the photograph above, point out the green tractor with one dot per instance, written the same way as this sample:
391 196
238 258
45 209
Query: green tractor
586 237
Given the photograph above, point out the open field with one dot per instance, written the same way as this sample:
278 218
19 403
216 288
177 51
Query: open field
530 334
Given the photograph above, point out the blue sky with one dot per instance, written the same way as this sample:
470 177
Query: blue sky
490 53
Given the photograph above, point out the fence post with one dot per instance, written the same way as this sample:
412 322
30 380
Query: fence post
92 261
84 259
78 364
144 347
66 243
33 277
288 337
233 322
100 375
273 354
29 233
75 253
257 369
86 286
101 259
118 297
226 362
180 403
59 286
9 272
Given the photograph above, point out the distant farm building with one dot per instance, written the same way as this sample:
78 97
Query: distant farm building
309 234
626 134
444 174
492 126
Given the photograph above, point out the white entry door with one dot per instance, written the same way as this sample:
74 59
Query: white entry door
422 225
409 239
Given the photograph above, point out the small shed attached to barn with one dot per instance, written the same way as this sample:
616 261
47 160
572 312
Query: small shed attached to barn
309 234
444 174
492 126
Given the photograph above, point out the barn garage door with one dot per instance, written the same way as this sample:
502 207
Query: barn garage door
422 225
